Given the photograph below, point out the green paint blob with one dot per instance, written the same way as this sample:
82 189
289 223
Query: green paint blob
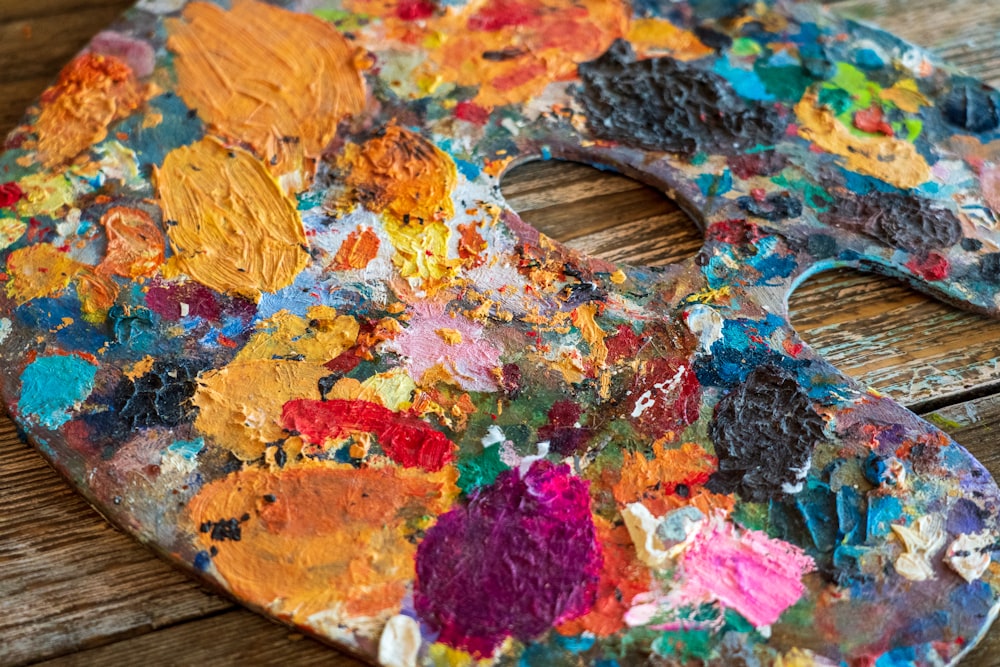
51 386
787 83
481 470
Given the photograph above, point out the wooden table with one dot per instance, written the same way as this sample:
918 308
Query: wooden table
75 591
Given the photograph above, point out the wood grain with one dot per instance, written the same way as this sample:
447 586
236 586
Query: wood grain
77 592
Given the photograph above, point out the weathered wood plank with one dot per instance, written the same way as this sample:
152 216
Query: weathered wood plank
107 588
17 10
58 37
237 637
67 578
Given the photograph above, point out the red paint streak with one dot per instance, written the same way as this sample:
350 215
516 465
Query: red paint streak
343 363
520 76
733 231
406 439
471 112
501 14
872 120
623 345
414 10
10 194
933 267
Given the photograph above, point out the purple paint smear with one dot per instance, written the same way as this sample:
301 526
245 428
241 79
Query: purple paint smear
521 557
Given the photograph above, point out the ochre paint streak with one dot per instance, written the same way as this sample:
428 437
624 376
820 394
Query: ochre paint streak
92 92
320 336
277 80
894 161
622 578
654 482
135 244
409 180
230 225
660 36
406 439
39 271
239 405
359 248
358 552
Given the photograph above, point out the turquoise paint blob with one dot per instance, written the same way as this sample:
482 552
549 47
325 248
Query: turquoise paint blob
51 386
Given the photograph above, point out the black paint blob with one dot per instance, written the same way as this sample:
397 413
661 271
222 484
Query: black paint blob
764 431
665 105
161 397
776 206
989 268
902 221
971 106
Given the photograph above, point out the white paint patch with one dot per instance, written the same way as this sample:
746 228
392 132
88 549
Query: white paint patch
399 643
705 323
5 328
922 540
525 465
494 436
642 525
969 555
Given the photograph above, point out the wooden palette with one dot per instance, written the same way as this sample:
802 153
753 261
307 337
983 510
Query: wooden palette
266 308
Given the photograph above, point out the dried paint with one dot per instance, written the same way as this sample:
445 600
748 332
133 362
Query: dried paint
266 547
53 386
287 109
477 566
92 92
231 228
272 300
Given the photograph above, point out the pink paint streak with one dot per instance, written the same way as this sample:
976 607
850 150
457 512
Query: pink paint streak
472 362
745 570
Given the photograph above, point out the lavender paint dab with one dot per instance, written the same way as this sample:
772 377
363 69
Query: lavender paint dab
265 307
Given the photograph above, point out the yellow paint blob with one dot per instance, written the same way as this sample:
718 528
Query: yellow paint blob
319 337
280 81
892 160
661 36
239 405
39 271
229 224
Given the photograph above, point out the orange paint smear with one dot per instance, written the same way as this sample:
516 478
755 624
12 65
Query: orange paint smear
234 229
470 245
659 36
135 244
551 37
92 92
622 578
409 180
654 482
279 81
356 555
359 248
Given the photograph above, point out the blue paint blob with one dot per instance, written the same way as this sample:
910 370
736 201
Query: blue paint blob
745 82
189 449
713 185
202 560
51 386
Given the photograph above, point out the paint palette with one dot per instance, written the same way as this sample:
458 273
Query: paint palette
266 308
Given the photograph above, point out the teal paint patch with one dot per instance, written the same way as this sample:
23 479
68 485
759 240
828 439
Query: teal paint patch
51 386
481 470
189 449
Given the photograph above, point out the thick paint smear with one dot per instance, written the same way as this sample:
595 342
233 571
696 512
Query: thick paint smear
662 104
520 557
281 84
267 548
764 431
92 92
229 224
265 301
